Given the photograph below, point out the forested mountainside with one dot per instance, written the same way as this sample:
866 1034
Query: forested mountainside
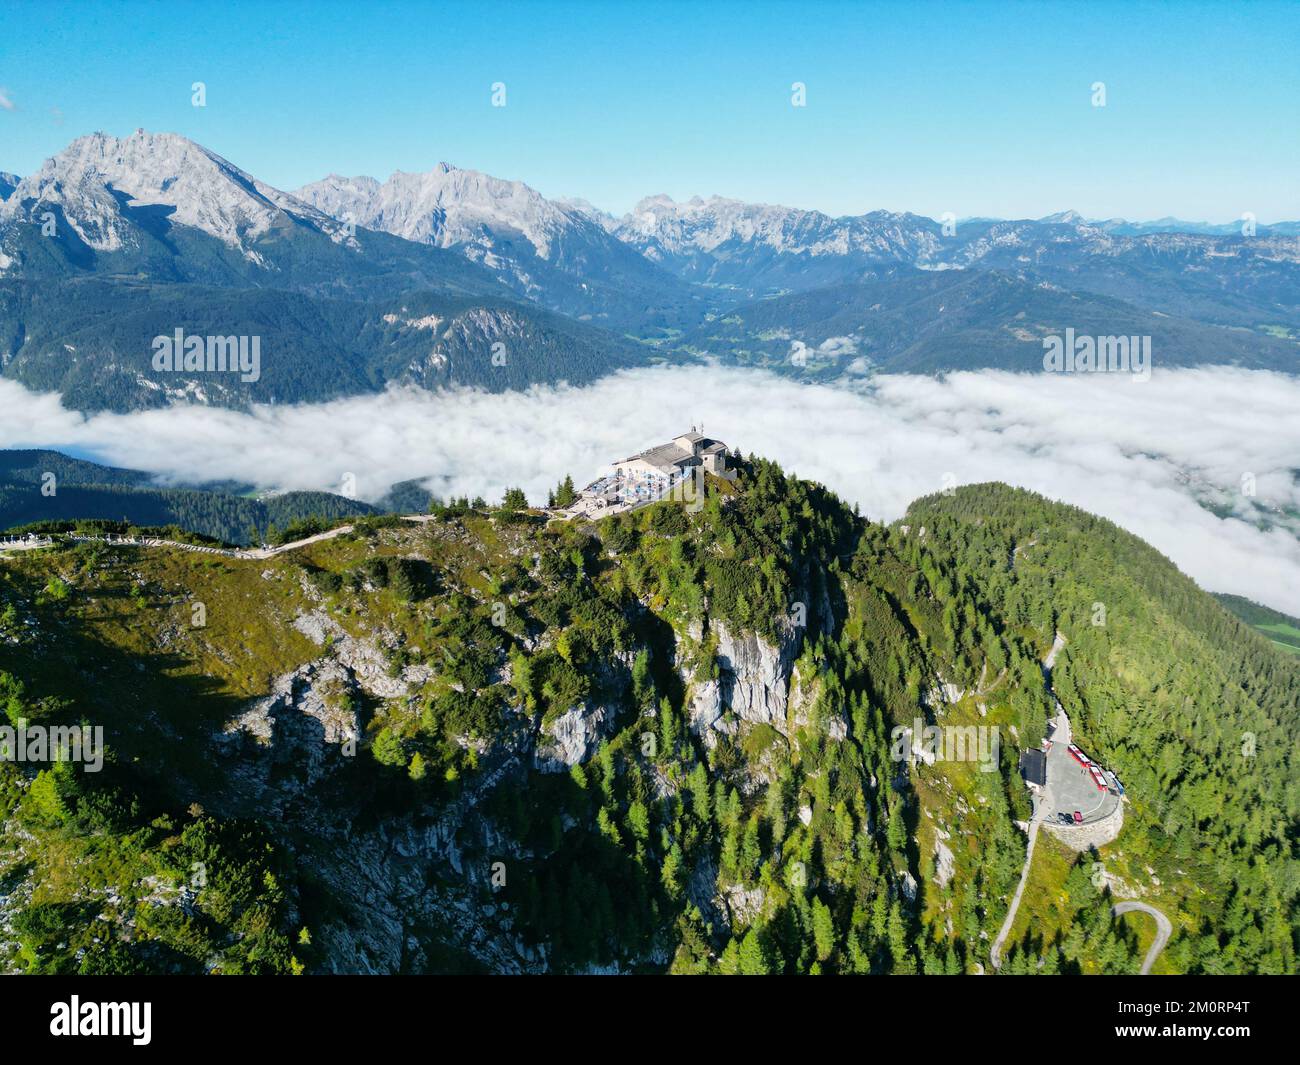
91 497
903 320
93 341
1196 713
662 741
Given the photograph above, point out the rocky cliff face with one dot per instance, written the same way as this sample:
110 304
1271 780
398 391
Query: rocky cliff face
754 675
705 711
286 755
308 721
420 869
572 737
752 683
410 875
416 872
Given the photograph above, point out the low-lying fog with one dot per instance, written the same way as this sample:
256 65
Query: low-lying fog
1148 455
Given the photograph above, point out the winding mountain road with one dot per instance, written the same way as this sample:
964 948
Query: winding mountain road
1163 929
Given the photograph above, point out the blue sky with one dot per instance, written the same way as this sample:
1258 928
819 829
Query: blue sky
978 109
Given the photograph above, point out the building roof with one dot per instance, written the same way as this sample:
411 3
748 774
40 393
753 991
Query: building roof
1033 766
666 456
663 456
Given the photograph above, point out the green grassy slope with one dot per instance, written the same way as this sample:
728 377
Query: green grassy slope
1282 629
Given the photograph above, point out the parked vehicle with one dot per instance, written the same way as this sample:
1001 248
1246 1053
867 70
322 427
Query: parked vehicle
1078 818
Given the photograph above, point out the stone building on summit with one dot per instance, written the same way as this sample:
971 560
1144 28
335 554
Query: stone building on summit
654 473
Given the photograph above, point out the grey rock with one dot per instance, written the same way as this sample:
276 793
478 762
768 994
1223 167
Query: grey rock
572 737
754 675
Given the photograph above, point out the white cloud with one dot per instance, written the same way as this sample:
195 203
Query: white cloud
837 346
6 103
1139 454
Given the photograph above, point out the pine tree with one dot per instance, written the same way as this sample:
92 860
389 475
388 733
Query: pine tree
416 769
823 929
753 959
565 494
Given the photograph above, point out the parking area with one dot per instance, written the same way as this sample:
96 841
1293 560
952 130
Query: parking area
1072 788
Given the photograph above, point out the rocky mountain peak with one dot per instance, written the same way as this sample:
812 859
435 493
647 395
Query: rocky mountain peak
445 206
99 177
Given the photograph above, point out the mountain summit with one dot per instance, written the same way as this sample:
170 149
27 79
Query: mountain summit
98 181
555 253
159 207
677 773
445 206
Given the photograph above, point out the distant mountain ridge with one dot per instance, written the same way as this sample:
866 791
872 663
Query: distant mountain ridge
114 241
756 247
86 492
157 206
1227 278
555 254
898 319
1179 225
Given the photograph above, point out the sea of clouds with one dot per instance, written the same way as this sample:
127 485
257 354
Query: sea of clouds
1174 459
